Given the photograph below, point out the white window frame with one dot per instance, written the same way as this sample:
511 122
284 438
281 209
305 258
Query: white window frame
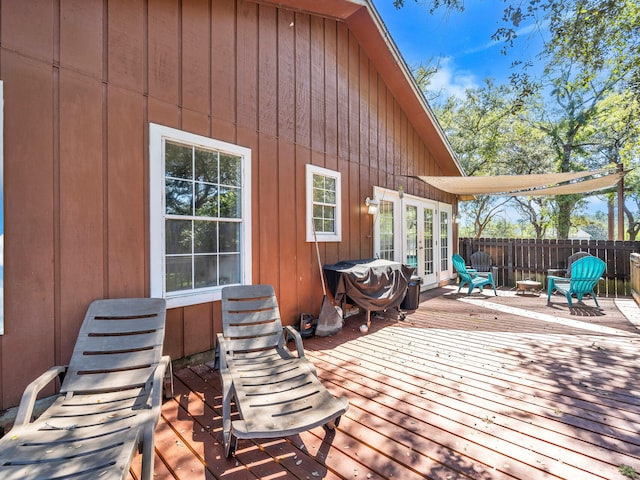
158 134
336 236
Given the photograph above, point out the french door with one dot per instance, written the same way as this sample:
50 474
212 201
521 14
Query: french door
414 231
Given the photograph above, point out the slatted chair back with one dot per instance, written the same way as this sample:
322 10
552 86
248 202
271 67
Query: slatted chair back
481 261
251 318
461 268
119 346
574 257
585 273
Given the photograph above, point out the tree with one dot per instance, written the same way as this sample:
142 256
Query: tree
595 35
491 137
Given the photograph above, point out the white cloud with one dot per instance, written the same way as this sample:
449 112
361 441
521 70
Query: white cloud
2 250
520 33
449 81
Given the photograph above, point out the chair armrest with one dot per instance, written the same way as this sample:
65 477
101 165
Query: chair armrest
221 347
554 277
298 339
158 386
28 400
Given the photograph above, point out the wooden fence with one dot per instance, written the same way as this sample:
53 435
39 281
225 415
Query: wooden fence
521 259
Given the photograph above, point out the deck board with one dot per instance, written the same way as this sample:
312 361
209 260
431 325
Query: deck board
479 388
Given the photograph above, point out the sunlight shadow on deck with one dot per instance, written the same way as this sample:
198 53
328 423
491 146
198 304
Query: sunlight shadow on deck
548 318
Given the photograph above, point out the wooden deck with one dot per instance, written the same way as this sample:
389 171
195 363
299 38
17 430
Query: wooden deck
478 387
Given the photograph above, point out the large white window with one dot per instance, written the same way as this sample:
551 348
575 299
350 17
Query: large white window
324 212
200 215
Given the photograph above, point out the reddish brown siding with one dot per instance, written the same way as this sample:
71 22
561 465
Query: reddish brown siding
83 79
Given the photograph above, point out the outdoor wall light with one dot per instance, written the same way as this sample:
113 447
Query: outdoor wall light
372 204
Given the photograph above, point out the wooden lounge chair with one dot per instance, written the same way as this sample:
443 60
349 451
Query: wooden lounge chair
109 401
585 273
470 277
276 392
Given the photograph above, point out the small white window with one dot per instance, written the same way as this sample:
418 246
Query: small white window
200 216
324 205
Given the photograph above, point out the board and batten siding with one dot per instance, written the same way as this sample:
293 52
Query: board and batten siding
82 81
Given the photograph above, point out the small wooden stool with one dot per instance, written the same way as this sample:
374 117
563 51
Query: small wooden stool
528 286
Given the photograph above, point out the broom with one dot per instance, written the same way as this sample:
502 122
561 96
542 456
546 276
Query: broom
329 321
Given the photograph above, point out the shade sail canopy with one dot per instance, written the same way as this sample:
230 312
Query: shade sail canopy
534 185
502 184
591 185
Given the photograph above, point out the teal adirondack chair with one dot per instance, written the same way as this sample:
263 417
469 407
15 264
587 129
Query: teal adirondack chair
585 274
470 277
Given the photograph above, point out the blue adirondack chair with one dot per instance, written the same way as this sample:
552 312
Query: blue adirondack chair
470 277
585 274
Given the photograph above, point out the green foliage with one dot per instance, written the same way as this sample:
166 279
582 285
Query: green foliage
628 471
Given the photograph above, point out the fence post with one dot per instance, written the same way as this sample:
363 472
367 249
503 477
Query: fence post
509 281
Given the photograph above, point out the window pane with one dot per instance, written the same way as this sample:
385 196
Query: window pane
206 237
178 273
230 206
178 161
229 269
318 211
330 190
328 226
206 271
230 170
178 237
206 200
229 237
179 197
328 212
206 166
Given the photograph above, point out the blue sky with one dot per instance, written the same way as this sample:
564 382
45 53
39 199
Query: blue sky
460 41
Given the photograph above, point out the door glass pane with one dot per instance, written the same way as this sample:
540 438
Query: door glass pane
428 241
386 230
444 241
411 219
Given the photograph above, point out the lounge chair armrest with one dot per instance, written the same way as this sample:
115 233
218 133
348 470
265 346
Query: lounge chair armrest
221 347
297 338
28 400
158 381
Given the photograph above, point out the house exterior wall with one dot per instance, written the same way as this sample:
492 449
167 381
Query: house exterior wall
82 81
